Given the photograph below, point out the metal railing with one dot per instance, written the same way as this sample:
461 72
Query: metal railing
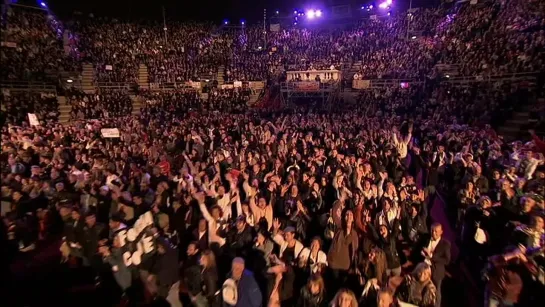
27 86
114 85
511 77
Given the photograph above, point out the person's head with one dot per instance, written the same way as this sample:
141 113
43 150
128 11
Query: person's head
75 214
315 284
237 268
115 221
349 218
289 234
537 223
261 236
469 186
384 298
262 202
240 223
485 202
208 260
436 231
202 225
216 212
90 219
528 203
221 191
345 298
383 231
422 272
386 205
316 244
17 195
192 249
294 190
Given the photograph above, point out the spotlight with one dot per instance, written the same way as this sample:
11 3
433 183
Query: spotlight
318 13
414 37
362 7
371 7
226 22
242 22
389 13
448 76
295 23
310 14
383 5
295 12
43 4
69 81
277 12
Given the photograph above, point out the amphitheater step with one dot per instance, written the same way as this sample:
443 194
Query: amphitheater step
64 109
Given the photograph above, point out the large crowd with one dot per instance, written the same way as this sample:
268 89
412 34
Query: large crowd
201 200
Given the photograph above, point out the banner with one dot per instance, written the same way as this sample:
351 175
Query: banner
9 44
195 85
137 241
256 85
33 120
307 86
109 67
237 84
275 27
361 84
109 132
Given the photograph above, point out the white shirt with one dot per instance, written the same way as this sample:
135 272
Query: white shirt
431 249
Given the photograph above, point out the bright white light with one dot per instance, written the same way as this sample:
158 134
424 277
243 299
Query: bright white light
243 22
371 6
389 13
389 2
69 81
448 76
259 48
310 14
226 22
295 12
318 13
295 23
414 37
383 5
43 4
277 12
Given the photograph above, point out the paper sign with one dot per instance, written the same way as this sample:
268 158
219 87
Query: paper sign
33 120
110 132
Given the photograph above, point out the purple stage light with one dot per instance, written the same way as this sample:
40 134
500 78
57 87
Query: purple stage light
43 4
318 13
310 14
383 5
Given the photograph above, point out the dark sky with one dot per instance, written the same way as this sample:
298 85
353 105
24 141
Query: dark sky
212 10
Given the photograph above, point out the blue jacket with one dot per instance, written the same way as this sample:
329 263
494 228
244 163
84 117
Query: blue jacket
249 294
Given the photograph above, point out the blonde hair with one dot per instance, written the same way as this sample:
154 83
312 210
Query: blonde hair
420 269
337 298
210 258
